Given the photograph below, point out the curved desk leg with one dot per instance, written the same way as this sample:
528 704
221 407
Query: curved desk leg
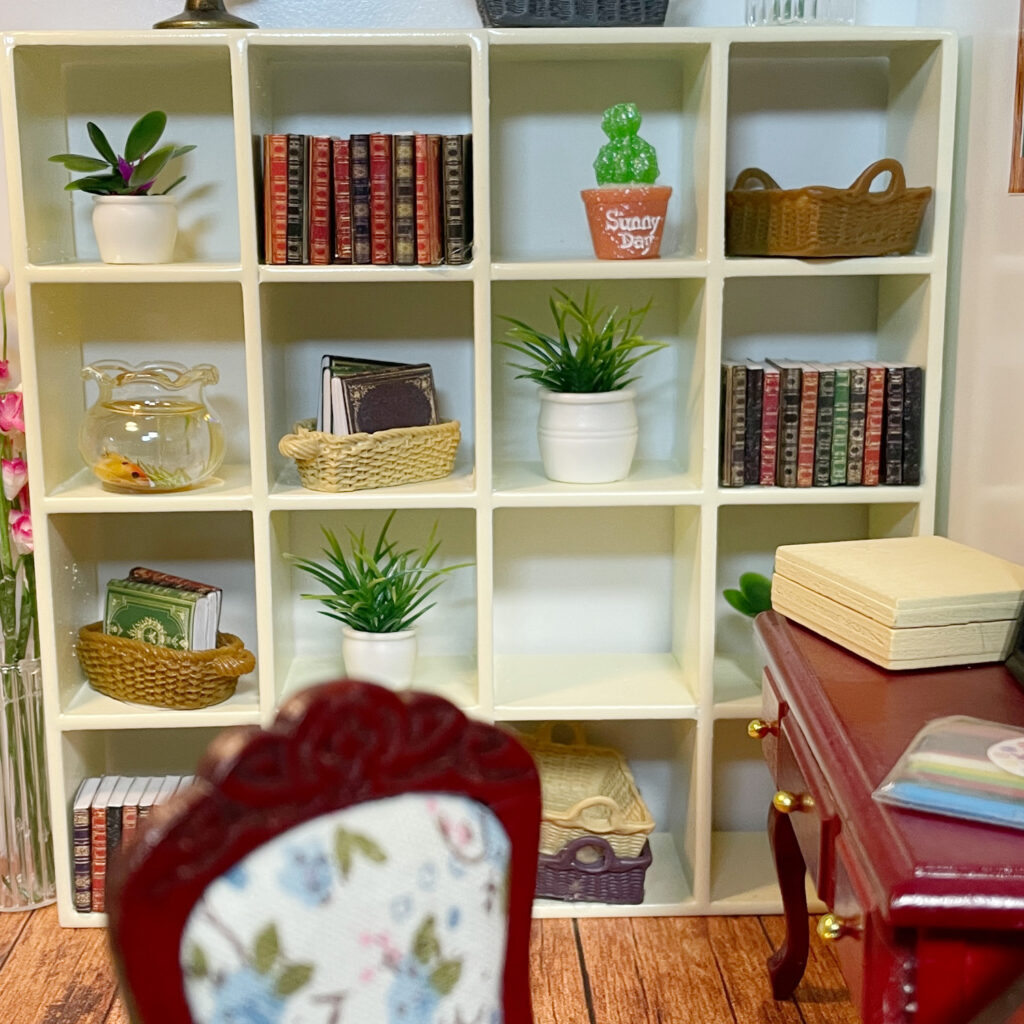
786 965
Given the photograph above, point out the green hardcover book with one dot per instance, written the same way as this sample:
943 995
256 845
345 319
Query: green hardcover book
154 615
840 423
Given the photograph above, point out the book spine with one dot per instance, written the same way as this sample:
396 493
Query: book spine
82 858
404 189
98 860
422 158
789 426
840 426
892 442
434 201
359 167
114 829
156 578
295 199
467 192
808 427
320 200
858 414
129 822
454 200
752 443
724 426
873 420
275 185
913 408
769 427
381 251
342 201
737 425
824 423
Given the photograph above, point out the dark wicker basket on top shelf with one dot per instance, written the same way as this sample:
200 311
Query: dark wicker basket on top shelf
571 13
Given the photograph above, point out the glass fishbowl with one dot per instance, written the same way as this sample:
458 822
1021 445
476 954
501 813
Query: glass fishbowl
151 428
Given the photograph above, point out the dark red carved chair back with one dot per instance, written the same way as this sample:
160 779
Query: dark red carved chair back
330 747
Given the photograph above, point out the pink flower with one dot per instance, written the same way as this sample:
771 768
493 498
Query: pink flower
21 532
15 476
12 412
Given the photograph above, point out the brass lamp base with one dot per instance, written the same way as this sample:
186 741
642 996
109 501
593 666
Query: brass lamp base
205 14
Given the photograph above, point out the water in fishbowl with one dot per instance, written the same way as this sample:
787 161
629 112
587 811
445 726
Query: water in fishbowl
801 12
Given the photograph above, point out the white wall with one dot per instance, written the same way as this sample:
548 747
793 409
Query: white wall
982 486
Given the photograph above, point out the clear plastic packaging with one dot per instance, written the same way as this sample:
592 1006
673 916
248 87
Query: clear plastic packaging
801 12
961 767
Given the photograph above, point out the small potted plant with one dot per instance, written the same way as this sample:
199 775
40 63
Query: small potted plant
626 212
753 596
377 594
133 222
587 428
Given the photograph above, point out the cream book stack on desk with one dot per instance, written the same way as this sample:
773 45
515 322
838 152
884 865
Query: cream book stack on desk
902 602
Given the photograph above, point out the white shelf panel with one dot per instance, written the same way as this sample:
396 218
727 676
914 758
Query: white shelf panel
742 266
231 489
743 877
599 686
666 890
737 694
93 271
880 495
597 270
363 272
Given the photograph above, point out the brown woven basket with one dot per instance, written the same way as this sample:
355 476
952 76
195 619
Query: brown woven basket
353 462
762 219
143 673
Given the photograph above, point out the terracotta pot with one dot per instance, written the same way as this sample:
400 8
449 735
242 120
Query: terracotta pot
626 221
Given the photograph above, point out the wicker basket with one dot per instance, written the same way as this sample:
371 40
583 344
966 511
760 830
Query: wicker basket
353 462
587 791
143 673
570 13
762 219
587 869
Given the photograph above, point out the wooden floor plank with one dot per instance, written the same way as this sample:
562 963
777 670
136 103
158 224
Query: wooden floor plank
556 975
822 994
616 988
741 949
11 927
55 975
679 972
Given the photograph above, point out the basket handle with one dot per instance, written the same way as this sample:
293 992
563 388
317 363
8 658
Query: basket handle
236 662
568 855
613 814
897 181
753 177
546 733
299 446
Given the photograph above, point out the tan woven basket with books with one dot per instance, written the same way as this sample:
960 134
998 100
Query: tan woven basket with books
763 219
385 458
587 791
147 674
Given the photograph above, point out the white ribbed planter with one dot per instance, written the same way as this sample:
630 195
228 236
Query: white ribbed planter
135 229
385 658
587 438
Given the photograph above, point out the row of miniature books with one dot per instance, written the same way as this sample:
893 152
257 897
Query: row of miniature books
160 608
359 395
792 423
104 816
376 198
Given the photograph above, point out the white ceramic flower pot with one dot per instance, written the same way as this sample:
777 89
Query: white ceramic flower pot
135 229
588 438
385 658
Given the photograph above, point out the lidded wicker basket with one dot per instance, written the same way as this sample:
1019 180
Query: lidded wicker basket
763 219
570 13
587 791
385 458
142 673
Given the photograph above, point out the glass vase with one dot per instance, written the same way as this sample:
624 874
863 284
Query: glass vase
26 843
801 12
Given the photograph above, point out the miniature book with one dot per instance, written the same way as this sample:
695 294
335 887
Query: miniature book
143 574
403 396
165 616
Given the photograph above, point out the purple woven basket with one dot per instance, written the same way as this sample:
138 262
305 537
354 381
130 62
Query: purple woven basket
570 13
603 879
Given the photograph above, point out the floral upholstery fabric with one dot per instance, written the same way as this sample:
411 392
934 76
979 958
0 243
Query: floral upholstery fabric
387 912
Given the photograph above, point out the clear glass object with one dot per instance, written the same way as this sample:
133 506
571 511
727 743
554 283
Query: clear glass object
801 12
151 428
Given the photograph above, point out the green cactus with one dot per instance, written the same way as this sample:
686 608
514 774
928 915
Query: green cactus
625 159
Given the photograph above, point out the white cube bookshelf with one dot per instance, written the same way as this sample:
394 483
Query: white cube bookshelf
599 604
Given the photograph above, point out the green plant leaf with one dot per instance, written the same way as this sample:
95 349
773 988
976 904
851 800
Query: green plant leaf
757 589
266 949
149 168
739 601
144 135
425 946
292 978
103 147
173 184
79 162
445 976
101 185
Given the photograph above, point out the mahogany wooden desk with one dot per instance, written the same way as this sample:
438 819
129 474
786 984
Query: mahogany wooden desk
927 912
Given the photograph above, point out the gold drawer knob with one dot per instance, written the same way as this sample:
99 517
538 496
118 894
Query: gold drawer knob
832 927
788 803
758 728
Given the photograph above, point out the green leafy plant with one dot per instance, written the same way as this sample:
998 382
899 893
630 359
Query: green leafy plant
377 590
595 349
754 594
132 173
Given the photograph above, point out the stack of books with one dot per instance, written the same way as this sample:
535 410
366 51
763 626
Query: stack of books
808 424
404 198
159 608
360 395
104 815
